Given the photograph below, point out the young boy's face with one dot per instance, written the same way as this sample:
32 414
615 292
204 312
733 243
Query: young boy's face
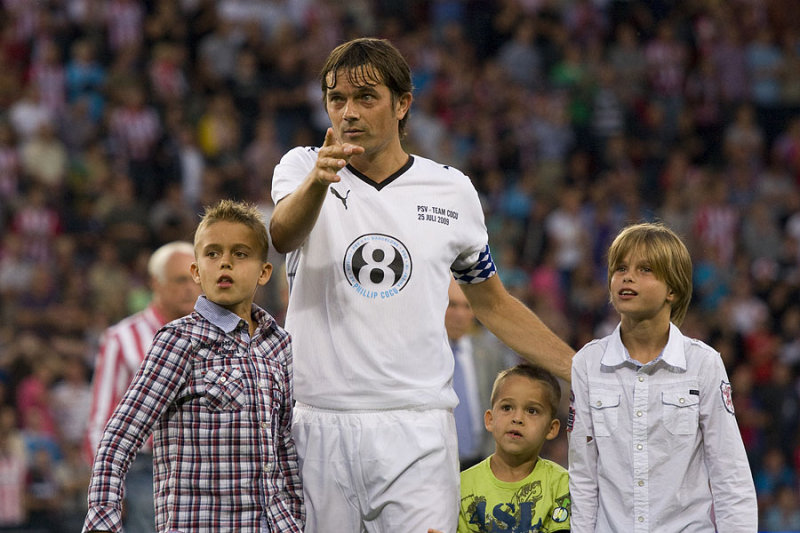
520 419
228 266
636 292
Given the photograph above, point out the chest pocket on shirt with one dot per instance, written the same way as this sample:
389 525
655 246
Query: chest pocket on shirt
605 412
681 411
224 389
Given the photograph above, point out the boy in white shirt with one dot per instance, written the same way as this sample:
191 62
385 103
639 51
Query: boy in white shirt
653 441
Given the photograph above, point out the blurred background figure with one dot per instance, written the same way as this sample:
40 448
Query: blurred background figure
479 356
122 349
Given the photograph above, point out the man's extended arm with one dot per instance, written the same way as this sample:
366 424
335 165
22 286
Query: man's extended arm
295 215
518 327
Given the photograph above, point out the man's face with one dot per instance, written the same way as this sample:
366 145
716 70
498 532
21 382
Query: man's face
364 113
176 295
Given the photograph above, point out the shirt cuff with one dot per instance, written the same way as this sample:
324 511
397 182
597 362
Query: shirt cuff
103 519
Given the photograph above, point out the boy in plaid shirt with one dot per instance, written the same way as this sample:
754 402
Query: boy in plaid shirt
215 389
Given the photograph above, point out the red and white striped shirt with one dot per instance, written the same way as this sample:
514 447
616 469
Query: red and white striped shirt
25 16
12 488
122 350
716 227
136 131
50 82
666 61
38 226
9 174
168 80
125 21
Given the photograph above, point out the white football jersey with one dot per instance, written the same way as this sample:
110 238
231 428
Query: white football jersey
368 288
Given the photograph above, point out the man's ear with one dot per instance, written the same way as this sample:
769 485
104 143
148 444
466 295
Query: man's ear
403 105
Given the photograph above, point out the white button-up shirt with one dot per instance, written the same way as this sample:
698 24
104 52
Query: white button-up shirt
654 447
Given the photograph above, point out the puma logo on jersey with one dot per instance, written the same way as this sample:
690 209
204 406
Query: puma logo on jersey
340 197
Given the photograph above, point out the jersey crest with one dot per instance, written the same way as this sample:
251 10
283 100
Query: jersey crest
727 397
377 266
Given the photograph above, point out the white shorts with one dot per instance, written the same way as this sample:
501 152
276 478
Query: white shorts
393 471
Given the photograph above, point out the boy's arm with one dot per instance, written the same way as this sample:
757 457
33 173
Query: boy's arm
287 454
150 393
582 452
735 506
518 327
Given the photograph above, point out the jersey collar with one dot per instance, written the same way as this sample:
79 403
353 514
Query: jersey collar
378 186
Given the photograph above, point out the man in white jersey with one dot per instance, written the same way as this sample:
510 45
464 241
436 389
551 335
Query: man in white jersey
122 349
373 235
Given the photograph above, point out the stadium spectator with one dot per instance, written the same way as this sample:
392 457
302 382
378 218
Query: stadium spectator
122 350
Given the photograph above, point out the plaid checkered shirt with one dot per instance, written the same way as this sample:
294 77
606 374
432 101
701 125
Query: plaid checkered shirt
218 403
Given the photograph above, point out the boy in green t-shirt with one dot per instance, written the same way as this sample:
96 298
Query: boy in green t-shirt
514 489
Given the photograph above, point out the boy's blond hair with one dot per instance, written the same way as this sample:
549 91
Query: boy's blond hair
240 213
666 254
534 373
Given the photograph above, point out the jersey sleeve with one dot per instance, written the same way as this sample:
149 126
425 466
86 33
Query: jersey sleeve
474 263
582 450
558 518
292 169
480 270
735 504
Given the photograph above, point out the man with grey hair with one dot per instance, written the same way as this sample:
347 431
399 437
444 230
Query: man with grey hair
122 349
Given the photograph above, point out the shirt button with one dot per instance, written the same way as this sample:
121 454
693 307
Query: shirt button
223 379
599 403
639 447
641 483
641 378
682 400
263 425
638 413
640 519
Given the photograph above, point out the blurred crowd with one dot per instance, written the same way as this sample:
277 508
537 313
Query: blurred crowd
121 119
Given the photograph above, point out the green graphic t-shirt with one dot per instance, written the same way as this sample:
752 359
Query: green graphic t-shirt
539 503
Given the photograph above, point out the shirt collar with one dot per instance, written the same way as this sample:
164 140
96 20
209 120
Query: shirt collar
672 355
225 320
